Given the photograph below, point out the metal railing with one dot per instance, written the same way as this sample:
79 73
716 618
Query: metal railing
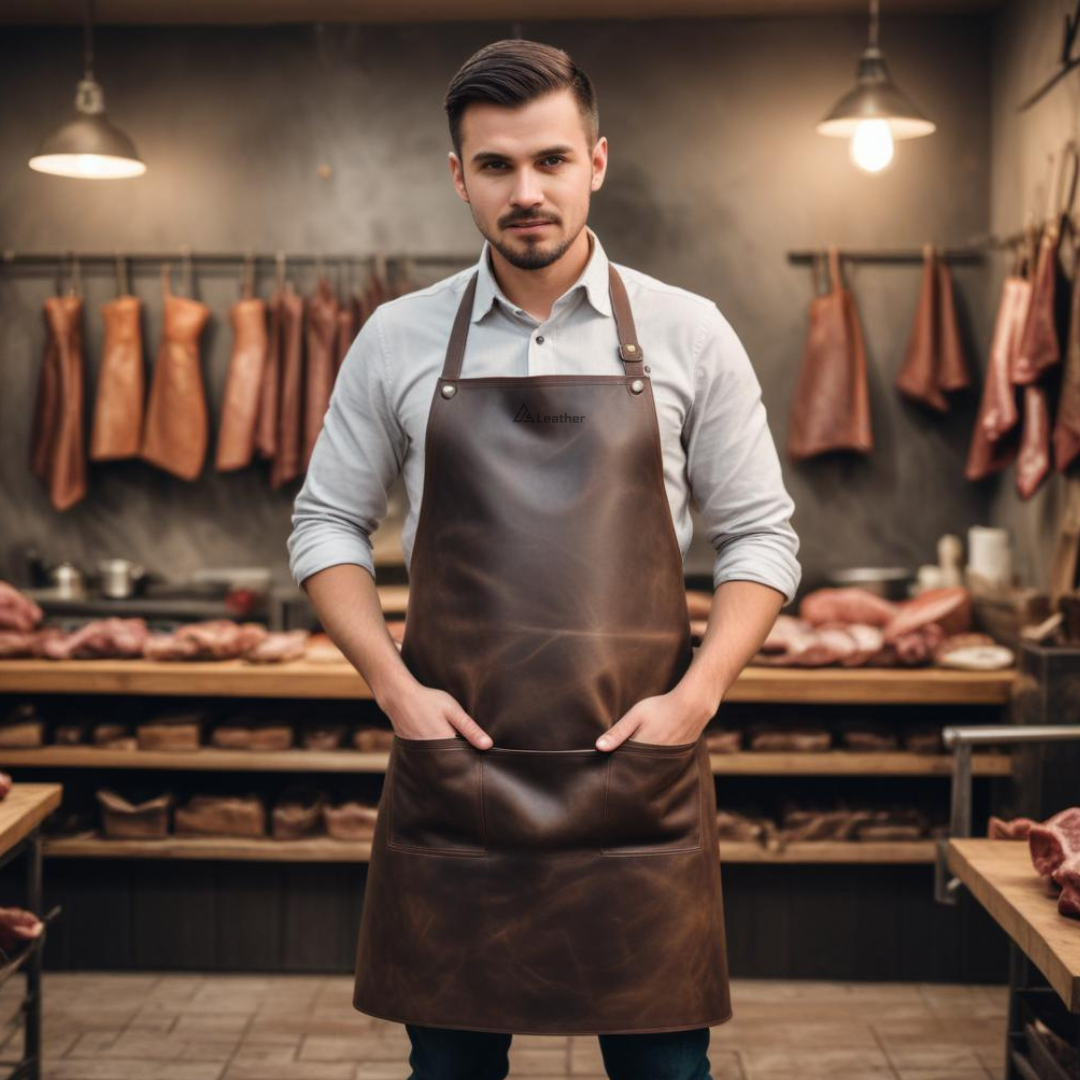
962 740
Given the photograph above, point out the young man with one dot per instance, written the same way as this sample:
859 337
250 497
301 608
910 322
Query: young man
545 857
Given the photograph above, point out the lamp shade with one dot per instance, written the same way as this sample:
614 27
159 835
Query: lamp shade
88 146
875 97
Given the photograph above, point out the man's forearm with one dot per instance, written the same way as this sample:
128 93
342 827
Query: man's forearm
347 604
743 613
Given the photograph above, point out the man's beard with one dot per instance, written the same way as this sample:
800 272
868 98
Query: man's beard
533 256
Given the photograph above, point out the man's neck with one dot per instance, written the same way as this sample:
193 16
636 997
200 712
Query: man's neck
535 291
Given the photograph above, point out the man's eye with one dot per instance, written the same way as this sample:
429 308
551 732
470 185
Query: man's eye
490 164
555 158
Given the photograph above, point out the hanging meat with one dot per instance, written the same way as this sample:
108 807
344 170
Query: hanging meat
266 424
57 450
121 386
1033 462
288 461
322 332
177 425
243 384
1034 363
1067 425
996 435
1039 349
953 370
831 407
935 363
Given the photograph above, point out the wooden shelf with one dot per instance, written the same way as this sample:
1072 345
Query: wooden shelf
744 763
324 849
315 849
1001 877
848 763
832 851
303 679
209 759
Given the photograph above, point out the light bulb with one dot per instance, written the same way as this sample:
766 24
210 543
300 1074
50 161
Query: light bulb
872 145
88 166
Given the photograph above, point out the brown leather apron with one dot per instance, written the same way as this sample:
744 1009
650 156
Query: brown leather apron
544 886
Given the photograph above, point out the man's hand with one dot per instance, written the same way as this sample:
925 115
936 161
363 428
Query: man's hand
743 613
421 712
347 604
675 717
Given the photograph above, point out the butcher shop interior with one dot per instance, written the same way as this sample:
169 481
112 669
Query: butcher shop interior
204 201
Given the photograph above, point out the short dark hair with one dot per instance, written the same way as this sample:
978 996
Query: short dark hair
513 72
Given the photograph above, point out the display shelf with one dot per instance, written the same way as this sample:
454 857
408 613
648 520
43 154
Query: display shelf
326 849
304 679
742 763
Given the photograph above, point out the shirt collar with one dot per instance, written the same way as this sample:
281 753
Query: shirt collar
593 279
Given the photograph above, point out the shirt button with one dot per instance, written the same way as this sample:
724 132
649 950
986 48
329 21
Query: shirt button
540 339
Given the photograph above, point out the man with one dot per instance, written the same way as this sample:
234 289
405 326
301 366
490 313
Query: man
545 857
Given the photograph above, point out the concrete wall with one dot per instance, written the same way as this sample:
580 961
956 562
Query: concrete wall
716 172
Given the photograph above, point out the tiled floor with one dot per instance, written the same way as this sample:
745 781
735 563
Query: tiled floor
225 1027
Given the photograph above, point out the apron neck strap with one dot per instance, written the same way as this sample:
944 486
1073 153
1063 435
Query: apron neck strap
629 349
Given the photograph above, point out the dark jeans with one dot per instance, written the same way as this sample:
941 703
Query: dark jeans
449 1054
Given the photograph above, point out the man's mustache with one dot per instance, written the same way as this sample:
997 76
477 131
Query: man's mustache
520 220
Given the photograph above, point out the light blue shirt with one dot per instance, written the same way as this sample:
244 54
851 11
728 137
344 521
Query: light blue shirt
716 443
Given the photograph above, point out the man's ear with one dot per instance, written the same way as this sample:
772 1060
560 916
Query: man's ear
457 175
599 162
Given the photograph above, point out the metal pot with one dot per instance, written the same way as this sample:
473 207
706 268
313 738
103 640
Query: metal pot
890 582
119 578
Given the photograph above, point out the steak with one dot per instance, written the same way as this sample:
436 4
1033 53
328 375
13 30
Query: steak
1055 840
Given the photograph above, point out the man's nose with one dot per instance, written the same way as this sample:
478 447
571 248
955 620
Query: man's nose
527 191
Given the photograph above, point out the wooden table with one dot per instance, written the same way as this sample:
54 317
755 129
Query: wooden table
1000 876
22 811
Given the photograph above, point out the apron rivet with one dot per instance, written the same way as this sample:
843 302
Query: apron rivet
449 390
631 348
637 386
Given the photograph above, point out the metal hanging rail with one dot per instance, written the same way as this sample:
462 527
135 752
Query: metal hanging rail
11 258
886 255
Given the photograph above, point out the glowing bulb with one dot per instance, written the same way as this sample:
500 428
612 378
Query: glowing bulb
87 166
872 145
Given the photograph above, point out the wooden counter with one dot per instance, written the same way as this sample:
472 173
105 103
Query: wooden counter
24 808
1000 876
302 679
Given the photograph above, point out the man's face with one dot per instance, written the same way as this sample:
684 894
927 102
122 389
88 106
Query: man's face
527 174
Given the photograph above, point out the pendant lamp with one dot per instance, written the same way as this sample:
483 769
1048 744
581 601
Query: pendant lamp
876 112
88 146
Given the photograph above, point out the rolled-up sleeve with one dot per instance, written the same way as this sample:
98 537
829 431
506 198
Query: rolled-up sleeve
355 461
734 469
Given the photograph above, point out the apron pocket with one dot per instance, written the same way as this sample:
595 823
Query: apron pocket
435 805
543 800
654 799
